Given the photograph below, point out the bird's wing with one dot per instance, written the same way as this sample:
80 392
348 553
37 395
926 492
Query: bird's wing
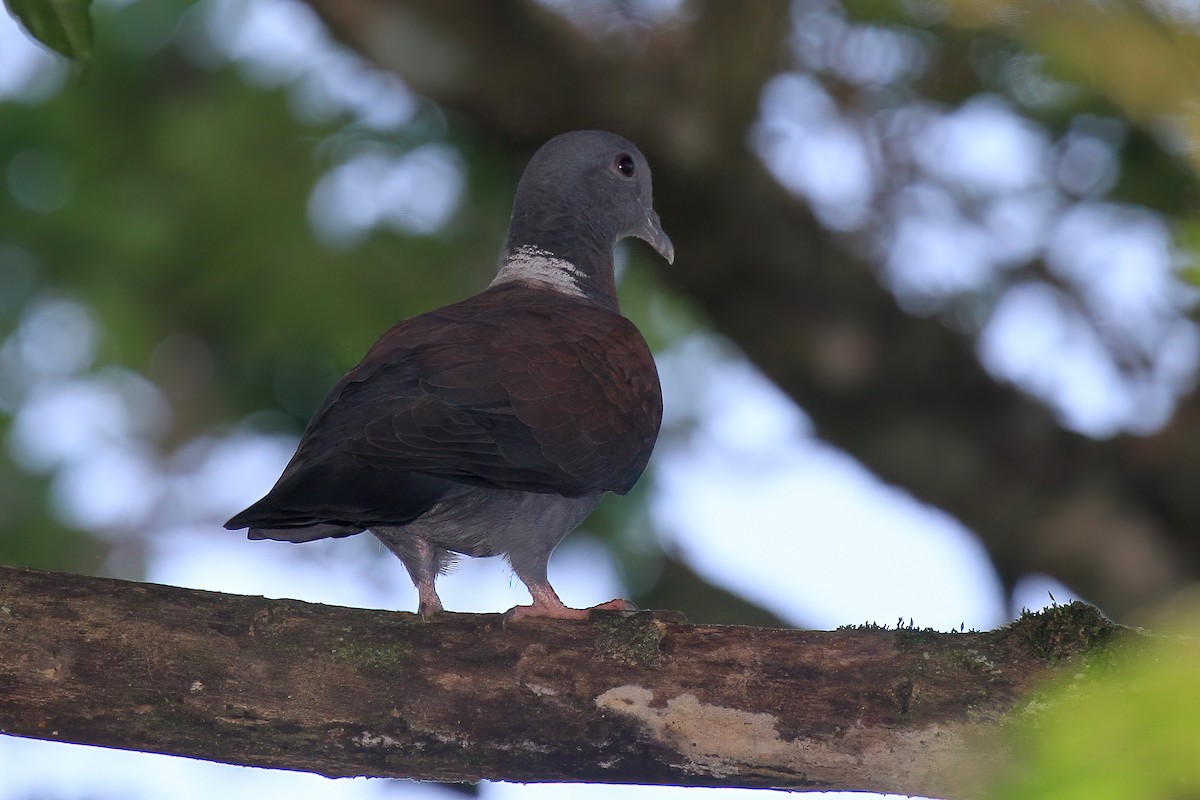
550 396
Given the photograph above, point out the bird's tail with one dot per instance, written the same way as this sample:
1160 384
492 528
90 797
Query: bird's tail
307 534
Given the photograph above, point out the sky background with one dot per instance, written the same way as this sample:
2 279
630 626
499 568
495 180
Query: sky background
753 499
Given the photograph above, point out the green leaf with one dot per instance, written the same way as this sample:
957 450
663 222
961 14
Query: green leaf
64 26
1120 728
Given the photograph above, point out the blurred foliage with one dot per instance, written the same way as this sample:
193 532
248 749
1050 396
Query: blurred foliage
1130 53
62 25
1141 59
1123 728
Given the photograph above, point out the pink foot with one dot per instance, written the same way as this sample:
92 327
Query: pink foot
550 607
535 612
614 605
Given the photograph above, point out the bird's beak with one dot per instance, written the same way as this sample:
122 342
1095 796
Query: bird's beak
652 232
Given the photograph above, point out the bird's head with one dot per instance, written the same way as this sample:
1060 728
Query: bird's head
585 191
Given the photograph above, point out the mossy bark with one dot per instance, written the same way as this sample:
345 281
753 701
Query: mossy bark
640 698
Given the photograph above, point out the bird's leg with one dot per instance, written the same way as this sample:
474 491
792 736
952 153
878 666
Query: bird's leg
546 604
429 602
429 563
424 562
530 566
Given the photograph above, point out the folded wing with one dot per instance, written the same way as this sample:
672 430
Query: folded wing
498 390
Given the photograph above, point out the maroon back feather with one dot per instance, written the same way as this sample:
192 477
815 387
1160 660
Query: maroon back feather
516 388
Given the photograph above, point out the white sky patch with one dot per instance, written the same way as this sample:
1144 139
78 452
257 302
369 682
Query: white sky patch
1037 341
283 43
872 55
55 338
328 571
802 529
216 478
1035 592
933 252
112 489
51 769
272 41
813 151
1120 260
63 422
415 193
820 542
864 55
581 791
984 148
94 433
343 83
1017 225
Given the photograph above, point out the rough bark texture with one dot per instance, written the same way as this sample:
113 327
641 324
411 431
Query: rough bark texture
906 396
641 698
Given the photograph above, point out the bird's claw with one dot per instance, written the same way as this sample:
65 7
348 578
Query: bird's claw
550 611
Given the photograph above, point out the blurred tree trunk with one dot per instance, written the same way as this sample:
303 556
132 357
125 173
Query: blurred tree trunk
623 698
906 396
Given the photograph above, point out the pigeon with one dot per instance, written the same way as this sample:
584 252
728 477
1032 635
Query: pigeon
494 425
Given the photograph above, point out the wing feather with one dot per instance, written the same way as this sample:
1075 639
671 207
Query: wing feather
513 388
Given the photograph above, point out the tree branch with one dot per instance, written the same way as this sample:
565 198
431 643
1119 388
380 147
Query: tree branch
642 698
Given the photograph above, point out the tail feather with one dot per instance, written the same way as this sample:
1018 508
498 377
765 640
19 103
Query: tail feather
307 534
334 502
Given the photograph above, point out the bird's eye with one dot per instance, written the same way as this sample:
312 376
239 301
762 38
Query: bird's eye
624 165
